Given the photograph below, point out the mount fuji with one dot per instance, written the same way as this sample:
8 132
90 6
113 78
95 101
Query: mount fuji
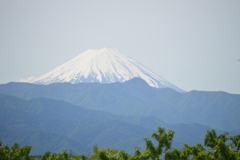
105 66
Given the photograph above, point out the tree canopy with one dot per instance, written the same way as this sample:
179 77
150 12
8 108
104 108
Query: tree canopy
216 147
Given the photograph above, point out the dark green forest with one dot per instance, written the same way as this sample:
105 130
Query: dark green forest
157 147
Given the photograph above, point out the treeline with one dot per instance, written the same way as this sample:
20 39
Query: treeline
216 147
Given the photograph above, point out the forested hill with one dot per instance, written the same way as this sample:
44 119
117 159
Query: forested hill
55 125
219 110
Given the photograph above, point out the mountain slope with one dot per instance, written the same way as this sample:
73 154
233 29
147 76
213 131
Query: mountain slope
104 66
41 141
60 125
55 125
218 110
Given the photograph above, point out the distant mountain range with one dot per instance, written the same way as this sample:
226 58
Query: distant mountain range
218 110
104 97
117 115
56 125
105 65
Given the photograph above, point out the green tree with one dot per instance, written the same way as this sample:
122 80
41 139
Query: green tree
235 142
218 149
15 152
164 141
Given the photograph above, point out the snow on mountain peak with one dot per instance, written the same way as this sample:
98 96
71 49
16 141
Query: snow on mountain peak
105 65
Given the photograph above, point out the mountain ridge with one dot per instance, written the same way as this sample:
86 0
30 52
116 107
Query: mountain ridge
134 97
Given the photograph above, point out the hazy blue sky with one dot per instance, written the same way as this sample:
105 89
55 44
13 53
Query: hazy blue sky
193 44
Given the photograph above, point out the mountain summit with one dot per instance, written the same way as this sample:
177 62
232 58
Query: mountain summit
104 66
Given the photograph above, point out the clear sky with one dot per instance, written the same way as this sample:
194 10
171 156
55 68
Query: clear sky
194 44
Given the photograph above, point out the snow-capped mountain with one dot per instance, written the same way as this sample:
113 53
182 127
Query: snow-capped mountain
104 66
